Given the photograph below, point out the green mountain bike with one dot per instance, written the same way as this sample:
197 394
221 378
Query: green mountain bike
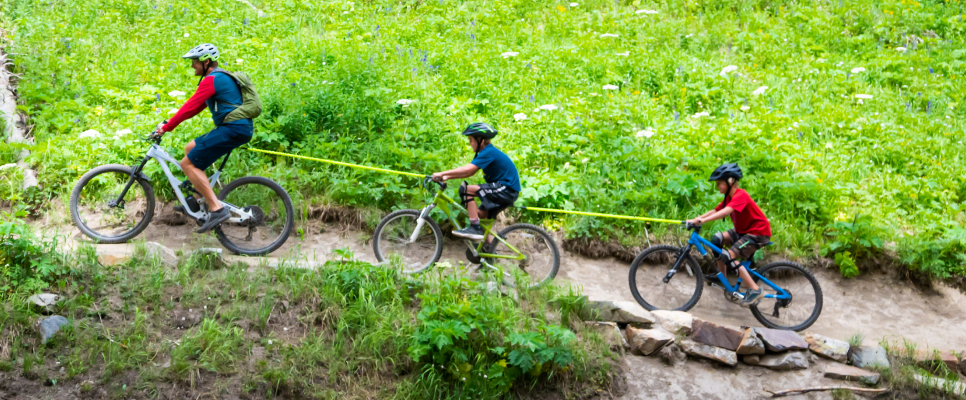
522 254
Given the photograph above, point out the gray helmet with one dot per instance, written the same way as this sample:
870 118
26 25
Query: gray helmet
203 52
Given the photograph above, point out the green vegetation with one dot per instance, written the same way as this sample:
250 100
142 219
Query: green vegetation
345 330
628 104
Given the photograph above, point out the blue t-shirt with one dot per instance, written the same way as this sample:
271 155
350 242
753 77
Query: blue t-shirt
497 167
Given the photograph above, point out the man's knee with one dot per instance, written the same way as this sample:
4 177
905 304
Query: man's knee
186 163
472 189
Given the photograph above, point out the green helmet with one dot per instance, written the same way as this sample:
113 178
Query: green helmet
480 130
203 52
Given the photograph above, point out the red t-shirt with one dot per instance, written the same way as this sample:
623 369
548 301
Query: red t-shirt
747 217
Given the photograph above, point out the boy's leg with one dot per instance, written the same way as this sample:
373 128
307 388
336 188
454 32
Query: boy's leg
471 208
726 241
474 231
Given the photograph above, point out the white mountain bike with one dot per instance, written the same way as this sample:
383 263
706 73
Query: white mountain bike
114 203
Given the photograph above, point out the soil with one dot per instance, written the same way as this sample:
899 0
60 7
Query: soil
875 306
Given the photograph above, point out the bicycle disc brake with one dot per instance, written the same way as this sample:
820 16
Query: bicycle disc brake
258 216
781 303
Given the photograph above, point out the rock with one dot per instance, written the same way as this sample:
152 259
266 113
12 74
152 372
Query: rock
208 257
44 299
163 253
258 354
832 349
622 312
672 354
957 388
931 360
718 354
951 360
715 335
869 357
962 365
185 319
112 256
610 332
647 341
848 373
676 322
752 359
51 325
792 360
778 341
750 343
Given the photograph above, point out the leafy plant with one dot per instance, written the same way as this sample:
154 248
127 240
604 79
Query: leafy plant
27 263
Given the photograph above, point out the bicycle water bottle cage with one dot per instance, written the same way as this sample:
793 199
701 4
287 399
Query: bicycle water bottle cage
464 198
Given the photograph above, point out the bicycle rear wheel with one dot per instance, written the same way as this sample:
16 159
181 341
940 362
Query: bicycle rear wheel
647 275
273 216
541 257
392 241
95 209
794 314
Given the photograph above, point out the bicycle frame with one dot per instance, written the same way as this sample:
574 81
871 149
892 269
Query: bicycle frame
163 158
446 204
700 243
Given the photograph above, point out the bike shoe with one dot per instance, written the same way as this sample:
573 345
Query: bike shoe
179 209
752 298
710 277
214 219
470 232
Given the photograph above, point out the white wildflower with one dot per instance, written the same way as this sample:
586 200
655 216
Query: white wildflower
863 96
90 133
610 87
574 4
176 93
405 102
726 70
186 34
760 91
5 167
269 342
519 116
645 12
606 35
857 70
122 132
901 49
624 54
829 145
745 108
172 111
646 133
700 114
548 107
239 61
510 54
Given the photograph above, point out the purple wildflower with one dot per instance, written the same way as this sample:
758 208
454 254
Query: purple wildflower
930 70
76 96
677 116
246 21
157 97
928 106
472 36
531 98
370 60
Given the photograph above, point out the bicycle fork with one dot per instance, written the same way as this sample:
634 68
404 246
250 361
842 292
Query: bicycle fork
682 254
119 202
421 222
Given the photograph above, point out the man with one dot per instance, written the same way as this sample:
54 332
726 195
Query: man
219 92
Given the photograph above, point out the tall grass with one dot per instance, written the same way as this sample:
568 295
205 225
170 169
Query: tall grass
815 149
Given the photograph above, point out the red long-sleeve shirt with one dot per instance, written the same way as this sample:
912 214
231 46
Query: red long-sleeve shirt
194 105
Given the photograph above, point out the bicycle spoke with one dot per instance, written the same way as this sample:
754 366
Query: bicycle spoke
393 242
648 275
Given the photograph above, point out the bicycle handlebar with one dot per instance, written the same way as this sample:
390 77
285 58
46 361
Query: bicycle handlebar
428 179
692 227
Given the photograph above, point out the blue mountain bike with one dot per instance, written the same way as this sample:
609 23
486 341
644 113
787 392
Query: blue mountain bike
670 278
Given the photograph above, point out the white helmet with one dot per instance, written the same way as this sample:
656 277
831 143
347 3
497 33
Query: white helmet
203 52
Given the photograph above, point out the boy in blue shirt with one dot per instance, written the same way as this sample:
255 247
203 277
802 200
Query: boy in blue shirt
502 180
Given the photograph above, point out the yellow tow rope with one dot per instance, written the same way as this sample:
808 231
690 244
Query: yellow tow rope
389 171
550 210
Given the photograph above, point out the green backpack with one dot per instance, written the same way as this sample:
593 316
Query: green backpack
251 106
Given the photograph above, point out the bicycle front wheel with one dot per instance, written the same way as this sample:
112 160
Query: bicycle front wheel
801 309
272 216
533 259
99 211
402 238
647 279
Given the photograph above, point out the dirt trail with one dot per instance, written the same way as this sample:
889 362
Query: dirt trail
873 305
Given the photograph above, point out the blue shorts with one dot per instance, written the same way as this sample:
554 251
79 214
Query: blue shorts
220 141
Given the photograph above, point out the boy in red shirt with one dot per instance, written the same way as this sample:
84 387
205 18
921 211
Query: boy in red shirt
752 230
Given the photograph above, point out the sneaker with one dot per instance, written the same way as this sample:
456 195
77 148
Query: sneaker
711 277
752 298
474 232
179 209
214 219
